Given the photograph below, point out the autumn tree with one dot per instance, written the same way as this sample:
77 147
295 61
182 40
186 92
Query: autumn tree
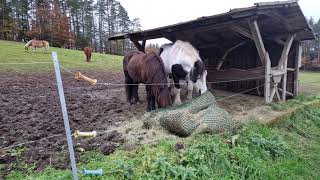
85 22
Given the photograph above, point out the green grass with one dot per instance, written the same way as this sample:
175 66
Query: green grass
310 78
290 150
297 101
13 52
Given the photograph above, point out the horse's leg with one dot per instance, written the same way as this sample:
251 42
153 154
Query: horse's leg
177 74
190 89
153 102
135 92
149 97
176 90
128 81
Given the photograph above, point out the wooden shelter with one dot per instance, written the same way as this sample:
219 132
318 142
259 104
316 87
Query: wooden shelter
256 48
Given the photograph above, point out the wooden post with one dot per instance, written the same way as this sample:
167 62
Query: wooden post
264 57
283 63
297 67
140 47
284 86
267 84
258 40
285 51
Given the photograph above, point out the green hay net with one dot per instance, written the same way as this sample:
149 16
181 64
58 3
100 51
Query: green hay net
201 114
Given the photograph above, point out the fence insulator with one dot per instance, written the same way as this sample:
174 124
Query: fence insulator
92 172
84 134
79 76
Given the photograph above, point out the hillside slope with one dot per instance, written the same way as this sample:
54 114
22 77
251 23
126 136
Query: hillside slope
13 52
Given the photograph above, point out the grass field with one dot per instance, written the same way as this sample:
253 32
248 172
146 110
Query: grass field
289 150
13 52
310 78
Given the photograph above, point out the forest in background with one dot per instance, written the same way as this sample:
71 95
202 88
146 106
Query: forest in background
311 49
67 23
79 23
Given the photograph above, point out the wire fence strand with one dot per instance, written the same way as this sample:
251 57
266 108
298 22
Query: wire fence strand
239 93
26 63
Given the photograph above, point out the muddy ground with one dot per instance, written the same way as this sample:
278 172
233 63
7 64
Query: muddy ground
30 110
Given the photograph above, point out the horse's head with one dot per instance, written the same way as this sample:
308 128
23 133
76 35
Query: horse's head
164 97
198 76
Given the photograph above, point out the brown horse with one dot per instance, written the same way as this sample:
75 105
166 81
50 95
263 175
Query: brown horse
88 52
37 44
139 67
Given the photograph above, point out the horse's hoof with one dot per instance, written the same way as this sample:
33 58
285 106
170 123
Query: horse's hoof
177 103
189 97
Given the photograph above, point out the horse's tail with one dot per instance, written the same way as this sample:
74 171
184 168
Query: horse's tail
28 43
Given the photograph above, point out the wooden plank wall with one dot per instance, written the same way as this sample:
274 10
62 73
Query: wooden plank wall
246 57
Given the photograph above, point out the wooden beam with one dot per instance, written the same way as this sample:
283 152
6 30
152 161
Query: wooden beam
139 46
170 38
233 48
278 95
242 31
143 44
285 51
287 92
267 84
227 52
283 64
258 40
235 74
297 66
276 72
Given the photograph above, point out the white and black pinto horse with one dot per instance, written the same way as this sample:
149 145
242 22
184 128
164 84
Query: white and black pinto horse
183 63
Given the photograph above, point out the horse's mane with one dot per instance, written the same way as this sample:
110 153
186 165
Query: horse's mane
152 68
28 43
183 47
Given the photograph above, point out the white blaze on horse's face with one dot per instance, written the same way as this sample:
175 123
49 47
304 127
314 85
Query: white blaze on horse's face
201 85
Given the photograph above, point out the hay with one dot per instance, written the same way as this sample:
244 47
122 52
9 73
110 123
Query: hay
201 114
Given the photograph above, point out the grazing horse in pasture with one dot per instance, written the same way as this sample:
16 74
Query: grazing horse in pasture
88 52
182 61
139 67
37 44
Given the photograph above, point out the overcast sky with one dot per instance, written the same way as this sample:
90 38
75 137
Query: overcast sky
165 12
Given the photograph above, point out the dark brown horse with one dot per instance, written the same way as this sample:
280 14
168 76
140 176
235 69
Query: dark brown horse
148 68
88 52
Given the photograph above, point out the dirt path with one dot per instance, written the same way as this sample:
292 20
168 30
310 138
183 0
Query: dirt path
30 110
